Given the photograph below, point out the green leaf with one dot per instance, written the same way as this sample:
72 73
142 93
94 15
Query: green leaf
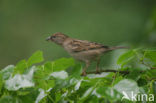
142 82
45 84
151 73
48 68
117 79
134 74
75 71
42 74
20 67
93 88
1 82
92 99
151 54
37 57
8 99
63 63
7 72
30 97
154 87
127 86
109 93
102 75
87 94
60 75
20 81
125 58
43 71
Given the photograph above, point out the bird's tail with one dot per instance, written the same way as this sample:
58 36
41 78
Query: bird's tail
118 47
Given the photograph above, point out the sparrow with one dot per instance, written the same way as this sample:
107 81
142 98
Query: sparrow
82 50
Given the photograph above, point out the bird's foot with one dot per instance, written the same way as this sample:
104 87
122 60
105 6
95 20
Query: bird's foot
98 72
83 74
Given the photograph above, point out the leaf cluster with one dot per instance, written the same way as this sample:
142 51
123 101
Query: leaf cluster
59 81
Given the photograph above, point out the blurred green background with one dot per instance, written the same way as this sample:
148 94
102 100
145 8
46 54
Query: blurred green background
24 25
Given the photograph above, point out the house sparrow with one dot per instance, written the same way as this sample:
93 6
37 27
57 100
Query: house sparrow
81 49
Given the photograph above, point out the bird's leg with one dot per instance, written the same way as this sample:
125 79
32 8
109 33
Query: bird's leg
97 65
85 68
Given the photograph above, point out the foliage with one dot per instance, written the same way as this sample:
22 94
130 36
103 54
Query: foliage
59 81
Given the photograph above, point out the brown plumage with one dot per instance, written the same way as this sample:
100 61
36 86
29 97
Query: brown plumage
82 50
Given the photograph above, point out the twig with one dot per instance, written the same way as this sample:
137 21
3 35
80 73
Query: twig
142 61
153 67
115 75
114 71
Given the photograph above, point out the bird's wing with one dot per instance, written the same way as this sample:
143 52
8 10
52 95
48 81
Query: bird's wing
83 45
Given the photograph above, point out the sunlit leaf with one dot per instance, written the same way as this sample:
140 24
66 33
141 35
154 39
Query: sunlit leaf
127 87
60 75
77 86
20 67
48 68
98 75
7 72
44 84
109 93
62 64
37 57
40 96
61 81
20 81
43 71
87 93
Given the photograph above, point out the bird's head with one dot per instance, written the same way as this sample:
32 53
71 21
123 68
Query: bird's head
58 38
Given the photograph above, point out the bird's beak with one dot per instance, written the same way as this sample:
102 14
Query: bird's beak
47 39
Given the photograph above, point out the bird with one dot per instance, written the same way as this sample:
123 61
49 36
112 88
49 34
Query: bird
82 50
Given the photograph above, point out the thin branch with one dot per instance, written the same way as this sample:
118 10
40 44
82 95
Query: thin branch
142 62
114 71
153 67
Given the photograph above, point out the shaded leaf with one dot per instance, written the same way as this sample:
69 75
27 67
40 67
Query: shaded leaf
134 74
151 54
87 94
8 99
75 71
125 58
151 73
1 82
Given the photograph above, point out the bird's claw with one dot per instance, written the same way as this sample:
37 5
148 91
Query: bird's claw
98 72
83 74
